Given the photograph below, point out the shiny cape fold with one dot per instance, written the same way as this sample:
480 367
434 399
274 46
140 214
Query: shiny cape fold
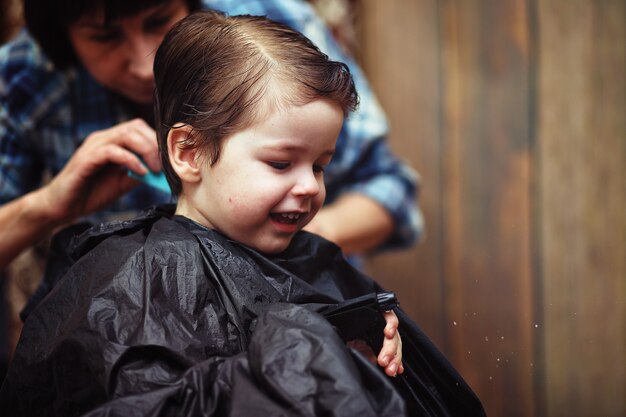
159 316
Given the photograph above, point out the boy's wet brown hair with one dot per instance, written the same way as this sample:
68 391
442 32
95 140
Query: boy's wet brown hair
220 74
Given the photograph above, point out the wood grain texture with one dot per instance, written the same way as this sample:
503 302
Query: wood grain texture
582 184
408 89
486 210
514 112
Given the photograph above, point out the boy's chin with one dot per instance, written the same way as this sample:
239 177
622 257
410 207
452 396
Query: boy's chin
273 248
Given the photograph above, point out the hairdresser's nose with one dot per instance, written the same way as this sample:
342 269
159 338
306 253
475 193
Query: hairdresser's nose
141 50
308 184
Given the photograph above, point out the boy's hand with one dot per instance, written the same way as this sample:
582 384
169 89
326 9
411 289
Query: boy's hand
390 356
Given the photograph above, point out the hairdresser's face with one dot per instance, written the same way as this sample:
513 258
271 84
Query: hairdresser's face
269 180
120 54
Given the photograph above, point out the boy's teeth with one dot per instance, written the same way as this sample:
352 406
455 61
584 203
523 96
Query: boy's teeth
287 217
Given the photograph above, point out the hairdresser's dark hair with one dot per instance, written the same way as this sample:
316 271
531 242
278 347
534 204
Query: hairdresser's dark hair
48 21
220 74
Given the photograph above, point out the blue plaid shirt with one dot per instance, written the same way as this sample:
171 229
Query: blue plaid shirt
46 114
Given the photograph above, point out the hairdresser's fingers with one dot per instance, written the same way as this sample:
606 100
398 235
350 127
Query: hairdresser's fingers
117 155
134 136
95 155
86 185
144 143
96 174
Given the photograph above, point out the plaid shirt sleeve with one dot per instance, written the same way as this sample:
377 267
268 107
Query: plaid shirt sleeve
20 169
363 162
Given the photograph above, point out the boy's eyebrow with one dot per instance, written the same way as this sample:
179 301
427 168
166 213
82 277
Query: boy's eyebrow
290 148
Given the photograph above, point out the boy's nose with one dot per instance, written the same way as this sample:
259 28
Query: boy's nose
308 185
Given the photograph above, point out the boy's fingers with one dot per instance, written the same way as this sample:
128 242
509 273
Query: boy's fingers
390 356
392 324
387 352
384 361
392 369
395 367
390 332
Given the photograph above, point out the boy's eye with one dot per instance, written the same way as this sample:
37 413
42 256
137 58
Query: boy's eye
318 168
278 165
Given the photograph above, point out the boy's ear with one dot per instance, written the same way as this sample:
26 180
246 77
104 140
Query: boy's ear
184 160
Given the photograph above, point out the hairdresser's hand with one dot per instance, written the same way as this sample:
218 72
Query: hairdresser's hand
96 175
390 356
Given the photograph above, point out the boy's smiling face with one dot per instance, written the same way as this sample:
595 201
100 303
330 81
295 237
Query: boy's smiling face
268 182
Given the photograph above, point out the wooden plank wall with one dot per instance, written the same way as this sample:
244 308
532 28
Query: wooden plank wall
514 113
582 204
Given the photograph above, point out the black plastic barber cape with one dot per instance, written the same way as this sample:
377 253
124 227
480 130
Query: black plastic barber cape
159 316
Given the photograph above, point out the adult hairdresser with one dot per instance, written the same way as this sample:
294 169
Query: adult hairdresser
76 101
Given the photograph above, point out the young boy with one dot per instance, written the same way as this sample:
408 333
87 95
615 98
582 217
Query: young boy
211 309
246 126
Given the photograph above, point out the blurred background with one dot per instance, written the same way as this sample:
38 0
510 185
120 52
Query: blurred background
514 114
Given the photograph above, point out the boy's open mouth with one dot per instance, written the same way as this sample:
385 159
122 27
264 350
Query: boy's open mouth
287 218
